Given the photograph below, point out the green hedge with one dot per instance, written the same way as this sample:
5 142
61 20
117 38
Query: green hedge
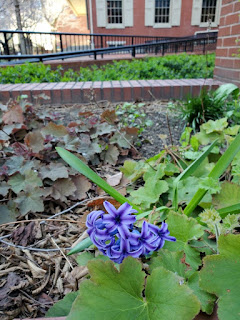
169 67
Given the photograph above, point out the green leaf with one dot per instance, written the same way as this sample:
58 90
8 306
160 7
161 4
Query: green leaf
20 182
4 187
229 210
169 260
118 295
216 172
83 258
229 195
188 171
62 307
215 126
184 229
221 276
80 166
134 170
206 299
209 184
111 156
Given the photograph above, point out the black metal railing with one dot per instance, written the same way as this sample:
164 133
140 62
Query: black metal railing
99 44
28 42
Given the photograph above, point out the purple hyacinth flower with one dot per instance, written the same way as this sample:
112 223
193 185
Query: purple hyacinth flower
120 219
162 234
119 251
144 242
97 230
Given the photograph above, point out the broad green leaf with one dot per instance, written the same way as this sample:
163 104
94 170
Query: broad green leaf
118 295
172 261
14 164
229 195
217 171
210 184
154 173
62 307
215 126
134 170
206 299
77 164
83 258
221 276
150 193
184 229
19 182
232 131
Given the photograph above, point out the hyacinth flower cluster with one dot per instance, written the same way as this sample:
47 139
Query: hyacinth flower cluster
115 235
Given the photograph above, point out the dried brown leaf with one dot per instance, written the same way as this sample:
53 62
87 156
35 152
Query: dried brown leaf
24 235
63 188
14 114
82 185
115 179
35 141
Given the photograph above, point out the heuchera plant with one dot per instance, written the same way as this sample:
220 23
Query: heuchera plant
115 235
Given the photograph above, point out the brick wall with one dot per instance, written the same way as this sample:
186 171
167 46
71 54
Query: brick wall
227 66
139 28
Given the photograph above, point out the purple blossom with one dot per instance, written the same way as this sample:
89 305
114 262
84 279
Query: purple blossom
115 235
161 233
120 219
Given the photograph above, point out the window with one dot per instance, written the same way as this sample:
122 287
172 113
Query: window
208 10
114 11
162 11
206 13
114 14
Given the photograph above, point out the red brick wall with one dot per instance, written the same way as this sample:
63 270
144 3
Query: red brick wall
227 67
185 29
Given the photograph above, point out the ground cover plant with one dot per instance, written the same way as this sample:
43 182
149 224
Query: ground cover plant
168 67
189 209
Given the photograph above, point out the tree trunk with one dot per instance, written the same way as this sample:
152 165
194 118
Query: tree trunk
19 26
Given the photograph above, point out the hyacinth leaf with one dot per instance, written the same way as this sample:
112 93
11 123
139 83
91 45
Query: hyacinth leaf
234 209
188 171
62 307
118 295
87 242
216 172
80 166
184 229
221 276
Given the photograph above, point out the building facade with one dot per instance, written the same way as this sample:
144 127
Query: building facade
170 18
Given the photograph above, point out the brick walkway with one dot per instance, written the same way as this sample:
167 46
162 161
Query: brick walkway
114 91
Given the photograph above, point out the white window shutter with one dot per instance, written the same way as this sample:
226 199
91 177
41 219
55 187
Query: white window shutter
101 13
128 13
196 12
176 12
149 12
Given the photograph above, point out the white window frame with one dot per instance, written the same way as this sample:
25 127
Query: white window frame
102 17
167 24
116 25
197 14
174 14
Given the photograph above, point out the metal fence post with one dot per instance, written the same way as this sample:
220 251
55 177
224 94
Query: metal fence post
133 52
101 37
61 44
6 47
